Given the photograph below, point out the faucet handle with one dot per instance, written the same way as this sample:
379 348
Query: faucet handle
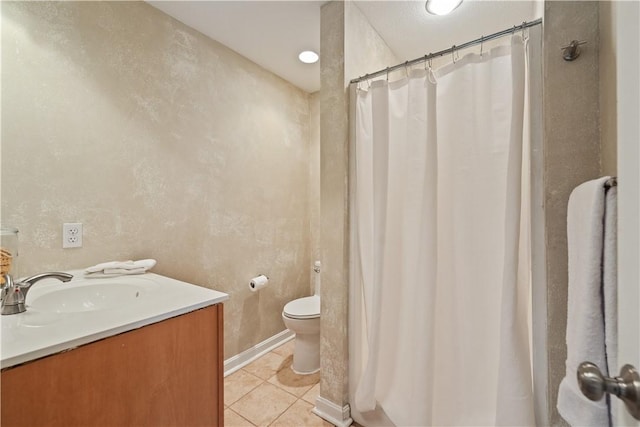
14 294
12 297
7 282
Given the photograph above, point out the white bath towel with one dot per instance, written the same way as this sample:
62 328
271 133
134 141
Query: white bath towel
610 290
118 268
585 317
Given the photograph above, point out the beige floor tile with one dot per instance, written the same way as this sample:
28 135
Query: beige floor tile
296 384
300 415
239 384
312 394
266 366
286 349
231 419
264 404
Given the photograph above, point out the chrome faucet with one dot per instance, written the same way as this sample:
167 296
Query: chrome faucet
14 294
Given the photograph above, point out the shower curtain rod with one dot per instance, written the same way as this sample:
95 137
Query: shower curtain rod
449 50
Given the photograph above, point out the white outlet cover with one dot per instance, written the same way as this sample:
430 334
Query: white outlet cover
71 235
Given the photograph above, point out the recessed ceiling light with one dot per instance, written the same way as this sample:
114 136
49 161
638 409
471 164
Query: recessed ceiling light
308 57
441 7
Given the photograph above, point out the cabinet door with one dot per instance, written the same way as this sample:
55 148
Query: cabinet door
165 374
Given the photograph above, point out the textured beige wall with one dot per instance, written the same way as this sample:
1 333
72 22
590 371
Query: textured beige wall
314 181
334 203
571 155
349 47
608 102
365 50
164 144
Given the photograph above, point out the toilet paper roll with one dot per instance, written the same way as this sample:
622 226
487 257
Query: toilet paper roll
258 282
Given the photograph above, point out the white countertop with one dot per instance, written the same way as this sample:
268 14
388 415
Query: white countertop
40 332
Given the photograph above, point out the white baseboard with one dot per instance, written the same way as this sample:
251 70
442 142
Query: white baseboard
238 361
329 411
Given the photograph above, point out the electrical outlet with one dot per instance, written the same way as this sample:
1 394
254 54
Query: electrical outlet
72 235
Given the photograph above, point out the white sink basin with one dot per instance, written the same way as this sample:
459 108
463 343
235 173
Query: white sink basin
88 297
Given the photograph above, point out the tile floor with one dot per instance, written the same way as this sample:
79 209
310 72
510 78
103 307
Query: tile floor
268 393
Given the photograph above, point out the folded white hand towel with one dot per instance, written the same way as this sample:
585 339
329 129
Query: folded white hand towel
121 267
124 270
110 264
585 317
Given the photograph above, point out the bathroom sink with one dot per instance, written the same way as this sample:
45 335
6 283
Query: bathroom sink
88 297
61 316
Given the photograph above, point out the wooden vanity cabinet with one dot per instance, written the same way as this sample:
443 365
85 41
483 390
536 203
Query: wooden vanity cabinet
168 373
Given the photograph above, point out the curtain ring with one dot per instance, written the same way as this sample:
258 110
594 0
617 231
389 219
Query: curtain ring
427 62
406 68
453 51
524 38
430 74
387 74
481 45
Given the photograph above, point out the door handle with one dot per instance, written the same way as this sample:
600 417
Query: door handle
594 385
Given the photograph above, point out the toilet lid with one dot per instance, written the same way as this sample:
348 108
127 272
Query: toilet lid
303 308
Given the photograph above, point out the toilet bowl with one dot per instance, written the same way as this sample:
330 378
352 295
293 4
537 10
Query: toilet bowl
302 316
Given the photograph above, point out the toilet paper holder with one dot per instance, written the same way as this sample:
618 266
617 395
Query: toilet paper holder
258 282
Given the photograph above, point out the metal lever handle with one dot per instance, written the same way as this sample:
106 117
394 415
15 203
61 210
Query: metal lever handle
626 386
572 50
574 43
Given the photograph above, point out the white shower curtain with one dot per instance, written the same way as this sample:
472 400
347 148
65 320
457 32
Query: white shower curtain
440 250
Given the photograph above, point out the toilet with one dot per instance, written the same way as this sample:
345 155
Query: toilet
302 316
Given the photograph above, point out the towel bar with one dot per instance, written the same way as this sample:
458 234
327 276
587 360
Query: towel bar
611 182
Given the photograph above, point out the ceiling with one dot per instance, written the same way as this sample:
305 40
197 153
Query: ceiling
272 33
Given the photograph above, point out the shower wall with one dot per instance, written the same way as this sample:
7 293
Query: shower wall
165 144
349 47
608 102
571 156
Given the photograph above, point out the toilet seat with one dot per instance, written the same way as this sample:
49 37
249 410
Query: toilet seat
303 308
